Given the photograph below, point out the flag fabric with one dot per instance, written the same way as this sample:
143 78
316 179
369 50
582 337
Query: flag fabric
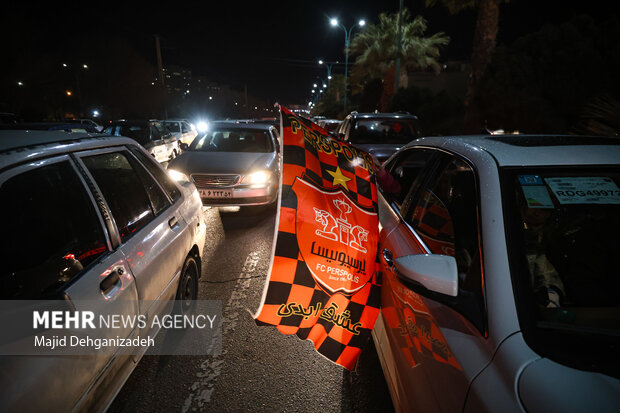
324 284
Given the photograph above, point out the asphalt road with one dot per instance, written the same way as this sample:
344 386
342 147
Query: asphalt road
259 368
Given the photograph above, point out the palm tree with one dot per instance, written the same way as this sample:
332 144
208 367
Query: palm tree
377 50
483 47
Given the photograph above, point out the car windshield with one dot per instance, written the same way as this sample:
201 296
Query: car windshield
384 130
237 140
563 236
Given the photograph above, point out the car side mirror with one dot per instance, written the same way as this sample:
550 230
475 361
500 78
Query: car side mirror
184 146
436 273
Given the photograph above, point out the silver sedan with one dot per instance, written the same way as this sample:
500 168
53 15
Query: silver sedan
232 164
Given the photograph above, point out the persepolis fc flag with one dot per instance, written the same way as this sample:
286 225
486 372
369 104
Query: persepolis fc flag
324 282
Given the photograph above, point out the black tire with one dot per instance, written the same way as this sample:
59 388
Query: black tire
187 292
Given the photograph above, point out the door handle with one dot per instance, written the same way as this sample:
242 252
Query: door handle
111 284
172 222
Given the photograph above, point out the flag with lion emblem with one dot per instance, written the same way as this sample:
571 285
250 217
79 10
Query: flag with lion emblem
324 283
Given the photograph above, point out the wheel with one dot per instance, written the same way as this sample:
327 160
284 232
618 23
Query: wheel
187 292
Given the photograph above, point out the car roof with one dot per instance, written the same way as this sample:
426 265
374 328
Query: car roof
532 150
17 145
395 115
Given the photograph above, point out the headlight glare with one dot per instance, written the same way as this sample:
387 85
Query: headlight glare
178 176
257 178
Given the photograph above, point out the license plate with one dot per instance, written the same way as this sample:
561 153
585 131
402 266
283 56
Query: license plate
216 193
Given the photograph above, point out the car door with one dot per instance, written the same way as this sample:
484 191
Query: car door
160 151
58 249
436 342
152 233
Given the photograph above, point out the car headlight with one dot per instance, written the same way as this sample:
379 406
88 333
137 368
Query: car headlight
178 176
257 178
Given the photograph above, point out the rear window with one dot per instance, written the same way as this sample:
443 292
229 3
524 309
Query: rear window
172 126
138 132
390 130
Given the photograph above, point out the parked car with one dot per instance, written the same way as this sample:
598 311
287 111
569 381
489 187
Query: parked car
89 122
379 134
90 219
151 134
181 129
232 164
500 277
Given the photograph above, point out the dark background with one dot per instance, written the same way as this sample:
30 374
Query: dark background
270 47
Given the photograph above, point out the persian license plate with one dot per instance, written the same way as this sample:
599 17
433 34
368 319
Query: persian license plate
216 193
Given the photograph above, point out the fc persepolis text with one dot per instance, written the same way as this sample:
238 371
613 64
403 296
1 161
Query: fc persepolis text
87 319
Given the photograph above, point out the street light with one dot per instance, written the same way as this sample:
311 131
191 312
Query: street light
328 66
347 36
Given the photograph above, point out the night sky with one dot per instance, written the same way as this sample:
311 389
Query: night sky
270 46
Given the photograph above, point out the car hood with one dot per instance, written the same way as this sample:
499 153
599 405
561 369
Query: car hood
222 162
545 385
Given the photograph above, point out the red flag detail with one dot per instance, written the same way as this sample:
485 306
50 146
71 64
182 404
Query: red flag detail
324 284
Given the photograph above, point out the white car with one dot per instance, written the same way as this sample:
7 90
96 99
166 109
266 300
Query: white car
90 218
181 129
151 134
500 275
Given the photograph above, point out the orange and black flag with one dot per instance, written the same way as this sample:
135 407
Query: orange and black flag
324 283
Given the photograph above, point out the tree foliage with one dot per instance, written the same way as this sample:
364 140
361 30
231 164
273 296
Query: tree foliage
376 47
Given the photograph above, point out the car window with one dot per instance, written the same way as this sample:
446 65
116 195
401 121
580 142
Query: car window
405 169
562 226
185 127
156 195
55 233
156 132
123 191
445 216
383 130
162 177
172 126
137 132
